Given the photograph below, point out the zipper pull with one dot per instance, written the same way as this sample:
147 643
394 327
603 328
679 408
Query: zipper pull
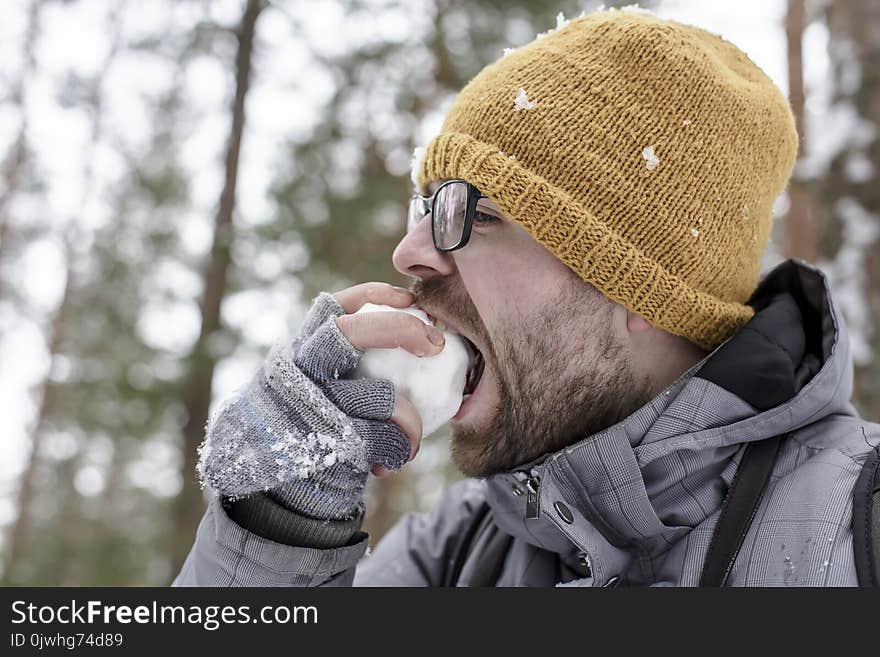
533 505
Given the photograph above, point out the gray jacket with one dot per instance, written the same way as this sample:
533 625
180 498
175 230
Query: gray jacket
635 504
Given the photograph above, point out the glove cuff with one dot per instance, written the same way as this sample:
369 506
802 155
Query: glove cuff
263 516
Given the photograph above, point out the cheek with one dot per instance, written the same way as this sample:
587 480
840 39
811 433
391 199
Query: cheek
507 286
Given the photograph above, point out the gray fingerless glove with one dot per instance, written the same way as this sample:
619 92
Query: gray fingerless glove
299 438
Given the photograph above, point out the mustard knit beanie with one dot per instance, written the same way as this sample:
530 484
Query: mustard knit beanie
644 153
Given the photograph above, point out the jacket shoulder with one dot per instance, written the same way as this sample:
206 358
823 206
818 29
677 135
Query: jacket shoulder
802 533
419 548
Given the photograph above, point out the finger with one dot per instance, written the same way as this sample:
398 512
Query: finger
388 330
323 306
326 354
407 418
371 399
405 414
394 443
353 298
384 442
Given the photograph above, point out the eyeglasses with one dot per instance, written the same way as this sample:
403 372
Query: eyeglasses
452 207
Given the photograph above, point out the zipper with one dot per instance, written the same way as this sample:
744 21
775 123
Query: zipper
533 498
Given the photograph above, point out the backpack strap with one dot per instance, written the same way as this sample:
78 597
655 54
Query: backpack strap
738 509
494 545
866 522
477 524
491 546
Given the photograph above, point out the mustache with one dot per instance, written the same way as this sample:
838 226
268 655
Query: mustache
440 293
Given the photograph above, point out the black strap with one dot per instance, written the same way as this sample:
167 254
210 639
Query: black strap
480 520
493 548
866 522
738 509
491 554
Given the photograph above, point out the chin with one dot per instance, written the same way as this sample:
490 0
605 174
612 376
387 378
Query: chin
470 455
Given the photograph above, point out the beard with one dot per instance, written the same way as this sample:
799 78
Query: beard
563 375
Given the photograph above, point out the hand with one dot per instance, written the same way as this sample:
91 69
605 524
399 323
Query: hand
306 436
388 330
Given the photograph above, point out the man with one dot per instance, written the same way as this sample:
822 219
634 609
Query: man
599 201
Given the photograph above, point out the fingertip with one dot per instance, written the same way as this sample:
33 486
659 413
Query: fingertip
403 298
435 336
414 450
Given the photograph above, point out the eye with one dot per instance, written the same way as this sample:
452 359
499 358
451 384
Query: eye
484 218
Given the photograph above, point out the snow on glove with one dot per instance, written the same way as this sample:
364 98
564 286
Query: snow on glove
300 433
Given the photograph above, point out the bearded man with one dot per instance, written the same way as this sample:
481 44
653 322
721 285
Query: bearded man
591 218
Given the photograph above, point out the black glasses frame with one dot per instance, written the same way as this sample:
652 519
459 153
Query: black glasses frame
427 204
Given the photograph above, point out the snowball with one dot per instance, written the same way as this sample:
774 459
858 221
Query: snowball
507 51
651 159
695 232
434 384
686 122
415 166
521 102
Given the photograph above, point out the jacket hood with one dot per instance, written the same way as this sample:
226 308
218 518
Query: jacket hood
646 481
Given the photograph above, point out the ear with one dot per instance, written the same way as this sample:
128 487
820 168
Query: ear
636 323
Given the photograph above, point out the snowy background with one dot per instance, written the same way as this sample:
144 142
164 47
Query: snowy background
116 121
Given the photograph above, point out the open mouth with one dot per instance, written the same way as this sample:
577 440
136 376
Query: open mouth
475 359
475 367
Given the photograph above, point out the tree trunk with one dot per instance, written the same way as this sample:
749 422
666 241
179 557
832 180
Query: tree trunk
854 49
13 166
17 535
800 233
197 389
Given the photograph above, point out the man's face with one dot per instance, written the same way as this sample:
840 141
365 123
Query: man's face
557 367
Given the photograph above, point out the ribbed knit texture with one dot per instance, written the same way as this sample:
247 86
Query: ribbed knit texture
264 516
302 434
645 154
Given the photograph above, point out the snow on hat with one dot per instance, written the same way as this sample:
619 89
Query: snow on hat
644 153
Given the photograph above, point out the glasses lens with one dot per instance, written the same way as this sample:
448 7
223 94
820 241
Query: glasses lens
415 214
450 205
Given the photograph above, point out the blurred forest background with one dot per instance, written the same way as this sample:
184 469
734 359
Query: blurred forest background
179 178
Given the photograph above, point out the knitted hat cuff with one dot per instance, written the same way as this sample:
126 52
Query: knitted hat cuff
586 245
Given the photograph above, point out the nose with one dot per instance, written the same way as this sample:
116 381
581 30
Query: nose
415 254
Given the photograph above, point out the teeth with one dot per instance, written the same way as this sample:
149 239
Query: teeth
475 371
472 353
